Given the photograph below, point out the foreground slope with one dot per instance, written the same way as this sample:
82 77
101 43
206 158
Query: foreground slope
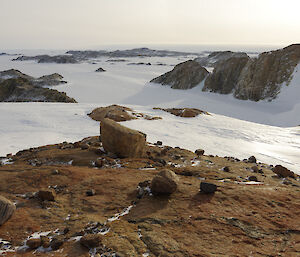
241 218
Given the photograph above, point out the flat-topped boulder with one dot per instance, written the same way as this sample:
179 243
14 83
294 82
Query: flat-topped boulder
122 141
185 75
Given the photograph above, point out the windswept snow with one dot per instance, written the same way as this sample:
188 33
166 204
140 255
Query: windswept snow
24 125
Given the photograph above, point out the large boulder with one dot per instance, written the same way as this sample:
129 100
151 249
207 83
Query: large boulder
184 75
122 141
165 182
7 208
114 112
283 172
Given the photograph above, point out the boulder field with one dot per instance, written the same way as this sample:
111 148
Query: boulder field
76 199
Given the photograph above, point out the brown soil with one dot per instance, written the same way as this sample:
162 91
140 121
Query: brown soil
238 220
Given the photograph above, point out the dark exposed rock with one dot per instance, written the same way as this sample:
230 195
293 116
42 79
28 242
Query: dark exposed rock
252 159
283 171
122 141
34 243
207 188
226 169
7 208
56 242
91 240
199 152
225 75
100 70
22 90
253 178
90 192
185 75
165 182
46 195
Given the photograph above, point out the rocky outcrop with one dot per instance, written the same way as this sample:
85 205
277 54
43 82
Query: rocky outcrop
118 113
183 112
23 90
213 59
185 75
7 208
225 75
122 141
62 59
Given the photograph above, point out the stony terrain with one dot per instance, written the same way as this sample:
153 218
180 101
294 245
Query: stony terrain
77 199
16 86
246 78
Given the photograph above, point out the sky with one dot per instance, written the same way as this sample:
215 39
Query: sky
60 24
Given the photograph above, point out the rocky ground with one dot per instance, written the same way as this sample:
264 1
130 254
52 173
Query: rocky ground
75 199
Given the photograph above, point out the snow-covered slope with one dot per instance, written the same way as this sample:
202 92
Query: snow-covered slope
23 125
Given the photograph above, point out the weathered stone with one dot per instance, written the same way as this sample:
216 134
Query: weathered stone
7 208
199 152
56 242
283 171
114 112
90 192
226 169
122 141
34 243
46 195
253 178
165 182
252 159
184 76
208 188
91 240
183 112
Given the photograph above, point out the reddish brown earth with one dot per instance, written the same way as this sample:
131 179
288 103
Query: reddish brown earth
238 220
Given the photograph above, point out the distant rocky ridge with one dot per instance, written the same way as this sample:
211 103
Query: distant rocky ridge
246 78
16 86
80 56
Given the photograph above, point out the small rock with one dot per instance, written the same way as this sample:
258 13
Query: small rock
283 172
46 195
56 242
55 172
226 169
158 143
84 146
100 70
45 241
91 240
199 152
165 182
7 208
208 188
252 159
90 192
34 243
99 163
255 169
253 178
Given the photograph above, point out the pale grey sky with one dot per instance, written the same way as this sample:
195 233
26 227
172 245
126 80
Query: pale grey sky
89 23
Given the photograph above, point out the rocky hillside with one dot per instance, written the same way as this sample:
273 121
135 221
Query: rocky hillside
79 199
246 78
16 86
184 76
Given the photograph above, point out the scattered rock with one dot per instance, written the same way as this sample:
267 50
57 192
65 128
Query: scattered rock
46 195
91 240
122 141
207 188
100 70
199 152
7 208
158 143
226 169
99 163
56 242
252 159
90 192
165 182
283 172
253 178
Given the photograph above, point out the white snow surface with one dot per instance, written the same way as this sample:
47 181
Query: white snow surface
275 141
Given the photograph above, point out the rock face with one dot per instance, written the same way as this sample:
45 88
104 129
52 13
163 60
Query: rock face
122 141
22 90
165 182
185 75
225 75
7 208
183 112
219 56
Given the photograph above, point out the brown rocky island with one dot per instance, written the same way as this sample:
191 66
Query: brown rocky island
79 199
